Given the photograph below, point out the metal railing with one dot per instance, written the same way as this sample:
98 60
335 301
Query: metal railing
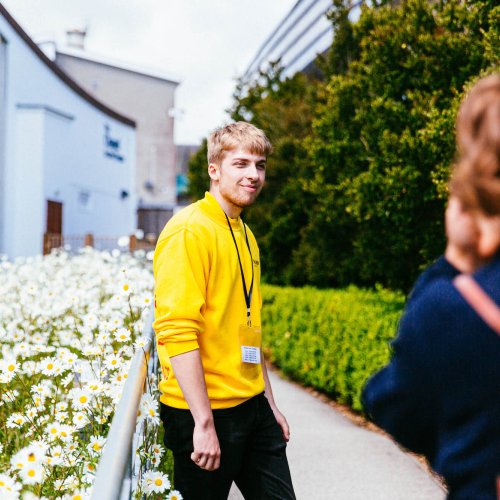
72 243
114 479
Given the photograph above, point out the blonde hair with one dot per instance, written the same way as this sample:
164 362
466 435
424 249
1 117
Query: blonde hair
238 134
476 176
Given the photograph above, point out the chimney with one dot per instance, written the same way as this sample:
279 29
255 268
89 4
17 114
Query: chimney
75 38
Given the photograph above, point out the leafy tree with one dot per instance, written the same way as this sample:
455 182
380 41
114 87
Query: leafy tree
198 178
284 110
377 215
356 186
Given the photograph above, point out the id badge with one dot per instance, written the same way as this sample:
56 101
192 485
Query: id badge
250 343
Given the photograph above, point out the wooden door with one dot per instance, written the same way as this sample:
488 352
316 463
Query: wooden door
54 217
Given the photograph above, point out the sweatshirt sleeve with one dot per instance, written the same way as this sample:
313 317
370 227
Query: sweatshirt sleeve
181 267
398 398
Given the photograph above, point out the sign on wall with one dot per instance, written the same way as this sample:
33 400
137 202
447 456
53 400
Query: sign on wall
112 146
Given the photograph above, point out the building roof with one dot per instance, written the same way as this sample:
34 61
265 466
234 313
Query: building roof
304 33
61 74
106 61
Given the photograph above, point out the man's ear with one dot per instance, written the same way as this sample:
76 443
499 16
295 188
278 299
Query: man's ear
213 172
489 236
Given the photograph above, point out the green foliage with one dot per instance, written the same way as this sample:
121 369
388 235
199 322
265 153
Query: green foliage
376 143
284 109
357 186
199 181
332 340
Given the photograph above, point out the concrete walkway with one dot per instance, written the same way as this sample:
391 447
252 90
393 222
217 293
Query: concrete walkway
331 458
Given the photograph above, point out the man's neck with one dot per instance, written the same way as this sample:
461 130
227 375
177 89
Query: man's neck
229 209
465 262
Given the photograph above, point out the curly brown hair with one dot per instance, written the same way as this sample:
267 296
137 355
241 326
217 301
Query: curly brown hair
476 176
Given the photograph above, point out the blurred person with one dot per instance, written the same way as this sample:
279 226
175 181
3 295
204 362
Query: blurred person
440 394
217 405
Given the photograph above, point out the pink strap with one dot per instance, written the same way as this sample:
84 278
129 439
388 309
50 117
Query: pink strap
479 300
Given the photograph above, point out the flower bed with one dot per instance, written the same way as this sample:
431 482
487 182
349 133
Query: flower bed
69 327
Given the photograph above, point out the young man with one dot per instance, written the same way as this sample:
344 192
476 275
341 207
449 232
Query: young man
217 406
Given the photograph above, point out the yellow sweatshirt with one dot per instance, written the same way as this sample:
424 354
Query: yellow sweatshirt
200 304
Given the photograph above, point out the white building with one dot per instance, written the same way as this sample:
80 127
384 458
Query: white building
147 97
67 162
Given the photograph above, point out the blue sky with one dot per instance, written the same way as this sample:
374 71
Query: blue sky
206 44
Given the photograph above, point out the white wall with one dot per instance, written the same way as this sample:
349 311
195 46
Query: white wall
3 65
24 196
54 149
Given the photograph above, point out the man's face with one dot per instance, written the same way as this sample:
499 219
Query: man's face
461 227
240 177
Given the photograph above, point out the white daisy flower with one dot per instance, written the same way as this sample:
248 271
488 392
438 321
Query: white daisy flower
52 431
9 366
96 445
113 362
9 488
155 482
61 416
49 366
31 474
174 495
122 335
141 342
10 396
80 420
81 398
158 450
15 421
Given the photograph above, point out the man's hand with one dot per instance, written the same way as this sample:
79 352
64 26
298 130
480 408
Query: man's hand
282 422
206 454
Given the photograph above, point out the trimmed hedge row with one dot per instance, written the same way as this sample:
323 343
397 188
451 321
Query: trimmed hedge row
332 340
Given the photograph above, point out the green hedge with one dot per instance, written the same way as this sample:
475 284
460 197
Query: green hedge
332 340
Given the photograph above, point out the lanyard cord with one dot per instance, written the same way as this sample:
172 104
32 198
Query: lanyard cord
248 295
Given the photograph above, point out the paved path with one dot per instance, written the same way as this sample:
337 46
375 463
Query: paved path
331 458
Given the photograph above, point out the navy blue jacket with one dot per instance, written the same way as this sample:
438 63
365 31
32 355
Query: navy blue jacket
440 394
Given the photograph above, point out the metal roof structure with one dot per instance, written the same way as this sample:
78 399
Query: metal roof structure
304 33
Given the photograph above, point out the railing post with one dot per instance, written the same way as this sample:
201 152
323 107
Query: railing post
88 240
132 244
46 244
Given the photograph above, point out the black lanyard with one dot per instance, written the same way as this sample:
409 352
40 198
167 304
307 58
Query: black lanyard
248 295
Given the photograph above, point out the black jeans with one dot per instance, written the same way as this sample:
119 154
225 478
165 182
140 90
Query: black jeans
253 453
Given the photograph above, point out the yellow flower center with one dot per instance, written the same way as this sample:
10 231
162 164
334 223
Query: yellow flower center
2 483
96 446
11 368
31 457
158 482
125 287
31 473
77 497
53 430
83 399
